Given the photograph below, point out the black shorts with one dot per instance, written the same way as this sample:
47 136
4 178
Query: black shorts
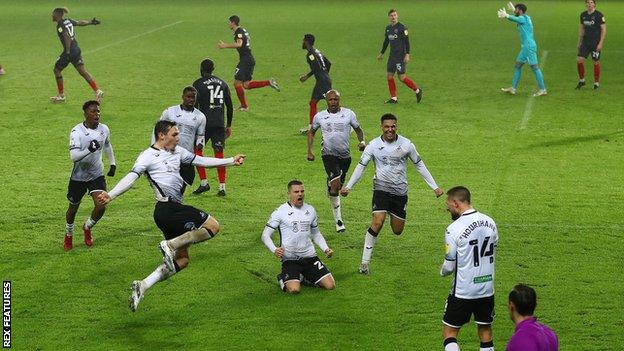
336 167
77 189
393 204
244 70
457 311
187 172
175 219
311 268
396 65
589 48
75 57
216 136
320 88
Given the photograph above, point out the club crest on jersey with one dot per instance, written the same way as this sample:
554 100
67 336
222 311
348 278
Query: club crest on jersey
295 227
405 32
240 35
60 29
311 57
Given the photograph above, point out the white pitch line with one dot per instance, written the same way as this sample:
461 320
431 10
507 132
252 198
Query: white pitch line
13 76
528 110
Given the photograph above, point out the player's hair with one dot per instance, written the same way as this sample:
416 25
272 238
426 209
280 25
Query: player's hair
332 91
387 116
207 66
391 11
61 10
188 88
234 19
524 298
309 38
460 193
594 1
88 104
521 7
294 182
163 127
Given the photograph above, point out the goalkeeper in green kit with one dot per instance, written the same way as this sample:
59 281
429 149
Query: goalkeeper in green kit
528 47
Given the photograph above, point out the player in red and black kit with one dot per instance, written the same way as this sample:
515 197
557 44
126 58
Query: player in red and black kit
396 35
592 32
319 68
213 97
246 63
71 53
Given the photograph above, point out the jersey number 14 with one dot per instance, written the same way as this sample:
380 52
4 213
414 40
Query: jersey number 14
485 250
215 93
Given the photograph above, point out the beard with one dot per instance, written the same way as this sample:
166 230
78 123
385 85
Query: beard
455 216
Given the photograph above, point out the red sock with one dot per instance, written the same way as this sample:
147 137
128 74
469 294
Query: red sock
240 92
220 170
59 86
392 87
258 84
93 85
580 67
597 72
200 170
410 83
312 109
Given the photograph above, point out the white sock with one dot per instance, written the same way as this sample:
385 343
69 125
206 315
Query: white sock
369 244
69 229
451 346
90 223
486 348
159 274
335 204
582 80
222 186
191 237
203 182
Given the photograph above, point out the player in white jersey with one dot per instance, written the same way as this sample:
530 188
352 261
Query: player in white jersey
191 123
297 224
470 249
335 124
390 152
86 142
181 225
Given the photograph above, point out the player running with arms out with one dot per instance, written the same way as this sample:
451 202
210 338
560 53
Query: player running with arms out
396 36
390 153
528 48
191 124
87 140
246 63
319 68
297 224
213 98
592 32
71 52
470 249
182 225
335 124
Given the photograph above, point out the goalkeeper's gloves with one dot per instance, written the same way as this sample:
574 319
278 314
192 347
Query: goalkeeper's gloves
94 145
94 21
111 171
502 13
511 6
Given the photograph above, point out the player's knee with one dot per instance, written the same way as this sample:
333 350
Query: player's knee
534 67
596 62
519 65
293 289
330 284
397 231
212 226
182 263
580 60
246 85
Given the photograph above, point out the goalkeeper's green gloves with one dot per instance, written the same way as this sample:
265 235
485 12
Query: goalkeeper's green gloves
511 6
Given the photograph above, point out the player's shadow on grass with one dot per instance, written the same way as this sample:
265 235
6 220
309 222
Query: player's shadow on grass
574 140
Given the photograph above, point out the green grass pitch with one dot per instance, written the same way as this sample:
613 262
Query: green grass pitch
554 187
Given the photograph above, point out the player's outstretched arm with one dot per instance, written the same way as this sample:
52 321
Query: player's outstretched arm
237 44
124 185
211 162
93 22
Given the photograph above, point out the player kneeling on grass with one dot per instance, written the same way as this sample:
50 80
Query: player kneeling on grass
181 225
298 226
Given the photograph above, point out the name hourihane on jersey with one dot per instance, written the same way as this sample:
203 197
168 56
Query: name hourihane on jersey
470 250
297 224
390 153
86 142
182 225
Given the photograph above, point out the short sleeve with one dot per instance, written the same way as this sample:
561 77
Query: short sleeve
367 154
141 164
165 115
451 246
274 220
316 124
74 140
353 121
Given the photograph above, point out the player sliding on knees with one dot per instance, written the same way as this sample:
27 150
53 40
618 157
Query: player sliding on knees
182 225
297 224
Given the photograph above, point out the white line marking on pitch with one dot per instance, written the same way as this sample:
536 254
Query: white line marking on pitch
12 76
528 110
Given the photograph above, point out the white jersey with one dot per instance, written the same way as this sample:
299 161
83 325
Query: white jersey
192 125
471 242
336 130
297 227
162 169
390 163
89 167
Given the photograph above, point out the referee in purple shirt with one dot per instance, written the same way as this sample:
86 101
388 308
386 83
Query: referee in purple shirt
529 335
